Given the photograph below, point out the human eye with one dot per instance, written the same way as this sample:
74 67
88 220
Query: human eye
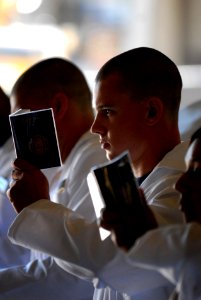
107 111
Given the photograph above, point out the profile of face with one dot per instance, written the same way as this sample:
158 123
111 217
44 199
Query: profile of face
118 120
189 184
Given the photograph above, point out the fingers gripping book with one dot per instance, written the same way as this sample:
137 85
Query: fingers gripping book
113 185
35 137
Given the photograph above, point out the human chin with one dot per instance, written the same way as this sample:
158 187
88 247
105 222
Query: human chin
110 154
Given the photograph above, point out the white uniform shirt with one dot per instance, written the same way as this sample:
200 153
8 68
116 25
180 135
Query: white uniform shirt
42 276
175 252
9 254
76 244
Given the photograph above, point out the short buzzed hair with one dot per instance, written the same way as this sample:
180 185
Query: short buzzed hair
54 75
146 72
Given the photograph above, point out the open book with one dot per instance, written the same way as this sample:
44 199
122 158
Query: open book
113 184
35 137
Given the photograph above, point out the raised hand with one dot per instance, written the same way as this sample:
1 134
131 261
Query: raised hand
127 224
28 186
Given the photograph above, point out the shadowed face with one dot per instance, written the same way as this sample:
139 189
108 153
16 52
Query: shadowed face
189 184
119 119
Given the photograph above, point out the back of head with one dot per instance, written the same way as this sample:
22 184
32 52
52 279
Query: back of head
50 76
146 72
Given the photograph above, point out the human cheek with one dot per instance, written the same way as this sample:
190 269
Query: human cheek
118 143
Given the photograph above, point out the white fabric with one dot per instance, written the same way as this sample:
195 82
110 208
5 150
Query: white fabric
68 186
159 188
10 254
37 280
175 252
76 244
7 154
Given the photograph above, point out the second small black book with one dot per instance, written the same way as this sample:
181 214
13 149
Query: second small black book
35 138
116 183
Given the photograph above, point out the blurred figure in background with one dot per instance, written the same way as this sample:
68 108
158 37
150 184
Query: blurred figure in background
59 84
10 254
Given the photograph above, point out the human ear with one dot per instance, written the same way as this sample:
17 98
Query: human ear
154 110
60 104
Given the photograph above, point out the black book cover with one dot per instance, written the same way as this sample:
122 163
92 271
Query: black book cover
113 185
116 182
35 137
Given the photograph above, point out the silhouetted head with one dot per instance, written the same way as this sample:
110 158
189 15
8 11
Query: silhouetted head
146 72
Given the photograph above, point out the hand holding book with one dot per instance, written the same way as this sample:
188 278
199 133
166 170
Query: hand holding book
29 185
123 210
127 225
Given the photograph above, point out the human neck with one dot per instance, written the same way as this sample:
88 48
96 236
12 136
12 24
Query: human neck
151 156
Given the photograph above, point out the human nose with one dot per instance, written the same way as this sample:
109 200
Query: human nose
96 126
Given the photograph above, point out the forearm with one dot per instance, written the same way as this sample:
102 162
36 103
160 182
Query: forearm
59 232
157 259
126 277
168 250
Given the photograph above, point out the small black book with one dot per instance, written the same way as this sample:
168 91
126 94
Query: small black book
35 137
113 184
